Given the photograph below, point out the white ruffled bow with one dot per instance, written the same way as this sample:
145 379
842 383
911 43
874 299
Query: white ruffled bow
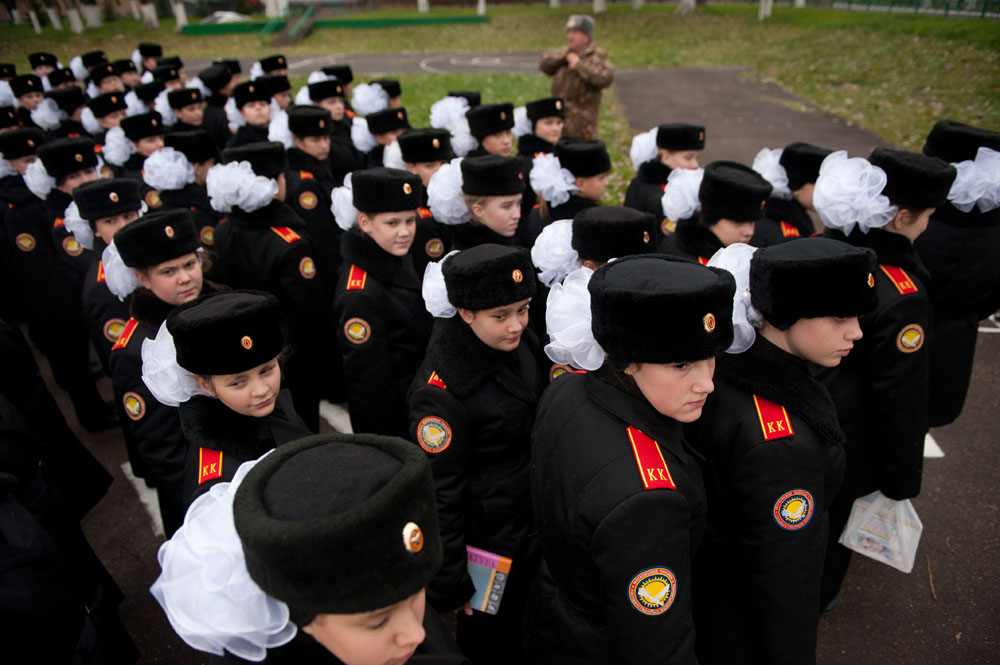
302 96
550 180
277 129
522 124
342 204
767 163
434 290
849 191
6 168
392 157
644 148
121 279
7 97
48 115
79 71
449 113
234 118
978 182
134 105
680 197
162 106
117 147
361 137
553 252
256 70
169 383
167 170
89 121
568 322
38 179
78 226
444 194
205 589
746 319
235 185
369 98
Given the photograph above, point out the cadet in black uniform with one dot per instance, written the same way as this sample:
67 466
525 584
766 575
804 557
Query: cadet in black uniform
881 388
732 198
546 116
344 157
490 187
21 212
424 151
219 363
105 79
145 132
491 125
254 103
619 500
382 325
340 538
147 93
156 260
786 214
590 165
958 248
677 147
385 126
148 53
72 102
186 105
108 111
28 92
472 405
265 246
200 152
128 72
772 451
220 81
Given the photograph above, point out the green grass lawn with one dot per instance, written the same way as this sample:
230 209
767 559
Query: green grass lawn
894 75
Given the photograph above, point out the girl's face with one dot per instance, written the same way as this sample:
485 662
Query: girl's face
131 79
191 114
201 171
74 180
388 636
386 138
549 129
251 393
335 105
111 84
804 195
500 214
113 119
500 143
824 340
175 282
729 232
425 169
314 146
392 231
148 145
257 114
676 390
499 328
283 99
31 100
20 164
592 187
679 159
105 227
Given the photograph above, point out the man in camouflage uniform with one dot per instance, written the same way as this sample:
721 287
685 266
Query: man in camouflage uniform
579 70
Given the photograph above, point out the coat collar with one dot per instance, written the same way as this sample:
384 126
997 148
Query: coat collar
569 209
472 234
362 251
695 239
275 213
188 195
208 423
975 218
654 172
891 249
529 145
147 309
465 363
301 161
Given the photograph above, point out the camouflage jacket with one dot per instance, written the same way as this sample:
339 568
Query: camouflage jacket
580 87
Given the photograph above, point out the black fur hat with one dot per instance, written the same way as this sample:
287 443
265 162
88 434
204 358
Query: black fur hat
40 58
391 87
583 158
123 66
425 145
65 156
732 191
8 117
68 99
602 233
60 76
801 162
147 92
7 70
107 197
25 83
955 142
250 91
275 83
227 333
102 71
340 523
107 103
680 136
142 126
273 62
807 278
182 97
166 73
661 309
91 58
490 119
386 190
471 96
488 276
325 89
267 158
215 77
914 180
20 142
157 237
232 64
195 144
545 108
492 175
172 60
387 120
150 50
309 121
342 72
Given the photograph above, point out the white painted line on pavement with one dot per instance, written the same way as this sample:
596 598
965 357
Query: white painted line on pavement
433 70
147 497
989 330
336 415
931 447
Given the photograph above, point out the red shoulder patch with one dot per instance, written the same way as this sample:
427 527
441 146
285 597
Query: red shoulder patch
356 279
286 234
774 420
126 335
789 231
100 271
899 279
424 212
649 459
209 464
435 380
305 175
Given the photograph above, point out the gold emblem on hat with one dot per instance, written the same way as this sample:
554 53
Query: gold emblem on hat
436 144
31 143
194 95
322 123
645 237
413 538
399 114
407 189
169 231
701 136
250 89
30 83
503 115
763 203
281 61
871 281
78 157
114 100
246 342
709 322
113 196
153 122
558 104
517 276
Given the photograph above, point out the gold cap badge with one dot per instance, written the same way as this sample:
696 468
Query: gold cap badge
436 144
503 115
31 143
246 342
322 123
169 231
113 196
558 104
709 322
407 189
153 122
114 100
413 538
517 276
399 114
645 237
871 281
78 157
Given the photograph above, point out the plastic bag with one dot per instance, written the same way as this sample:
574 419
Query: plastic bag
883 529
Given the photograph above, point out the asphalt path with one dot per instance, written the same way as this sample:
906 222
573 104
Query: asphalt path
945 611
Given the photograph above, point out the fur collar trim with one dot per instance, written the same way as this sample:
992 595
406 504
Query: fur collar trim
275 213
208 423
891 249
653 172
472 234
697 240
529 145
147 309
569 209
364 253
462 361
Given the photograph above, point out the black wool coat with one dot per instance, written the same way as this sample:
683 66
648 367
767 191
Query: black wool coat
534 225
645 192
783 220
691 240
309 183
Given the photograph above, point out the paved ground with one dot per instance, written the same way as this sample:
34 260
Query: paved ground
885 616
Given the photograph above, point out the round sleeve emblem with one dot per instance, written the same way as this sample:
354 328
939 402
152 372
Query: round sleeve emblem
207 235
434 248
667 227
558 370
72 246
307 268
793 510
25 242
653 591
107 173
434 434
307 200
152 199
910 338
357 330
135 405
413 537
113 329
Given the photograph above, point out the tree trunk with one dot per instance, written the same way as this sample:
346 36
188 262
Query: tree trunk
765 9
600 6
685 6
423 6
180 14
54 17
